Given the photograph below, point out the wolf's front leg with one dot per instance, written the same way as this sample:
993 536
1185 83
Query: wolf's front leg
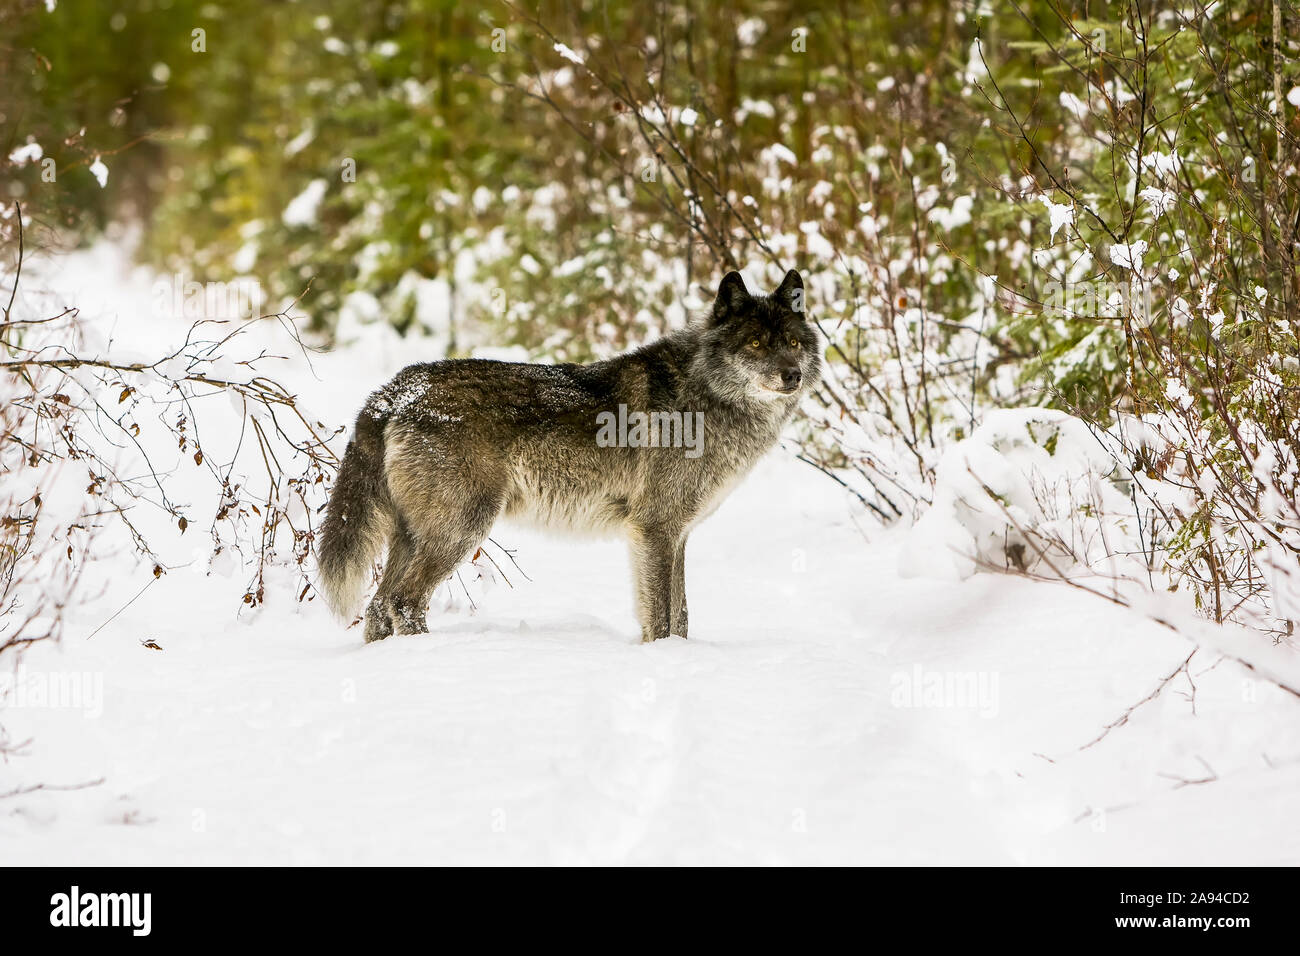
652 558
679 616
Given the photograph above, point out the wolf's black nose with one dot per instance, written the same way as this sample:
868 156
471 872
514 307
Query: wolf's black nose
791 377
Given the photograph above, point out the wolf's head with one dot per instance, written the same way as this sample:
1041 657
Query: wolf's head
760 347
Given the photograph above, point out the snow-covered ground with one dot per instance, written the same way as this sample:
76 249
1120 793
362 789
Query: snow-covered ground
825 710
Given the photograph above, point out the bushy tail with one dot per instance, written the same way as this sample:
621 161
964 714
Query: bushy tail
358 521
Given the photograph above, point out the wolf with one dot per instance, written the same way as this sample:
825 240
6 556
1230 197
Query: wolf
446 448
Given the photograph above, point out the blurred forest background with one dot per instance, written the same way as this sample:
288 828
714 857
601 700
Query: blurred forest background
1086 205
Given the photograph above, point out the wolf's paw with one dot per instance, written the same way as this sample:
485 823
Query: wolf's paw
379 624
648 638
408 619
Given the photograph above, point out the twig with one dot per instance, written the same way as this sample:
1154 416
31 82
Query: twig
124 607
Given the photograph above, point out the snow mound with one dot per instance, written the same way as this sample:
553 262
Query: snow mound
1029 485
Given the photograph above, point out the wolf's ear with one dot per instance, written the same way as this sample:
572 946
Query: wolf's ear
790 292
732 297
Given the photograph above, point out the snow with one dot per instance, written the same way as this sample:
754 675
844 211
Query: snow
755 107
1163 164
302 209
1060 214
569 54
779 152
1129 255
100 172
826 709
1077 107
1023 471
1159 200
301 141
28 153
955 217
750 31
539 730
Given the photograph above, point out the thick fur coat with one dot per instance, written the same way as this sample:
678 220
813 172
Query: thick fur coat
446 448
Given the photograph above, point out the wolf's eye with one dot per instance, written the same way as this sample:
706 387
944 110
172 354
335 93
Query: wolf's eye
755 344
794 343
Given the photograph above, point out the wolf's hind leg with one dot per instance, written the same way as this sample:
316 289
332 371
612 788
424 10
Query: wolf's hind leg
393 610
431 553
379 621
679 615
652 559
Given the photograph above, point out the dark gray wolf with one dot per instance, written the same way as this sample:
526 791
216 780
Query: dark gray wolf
445 448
